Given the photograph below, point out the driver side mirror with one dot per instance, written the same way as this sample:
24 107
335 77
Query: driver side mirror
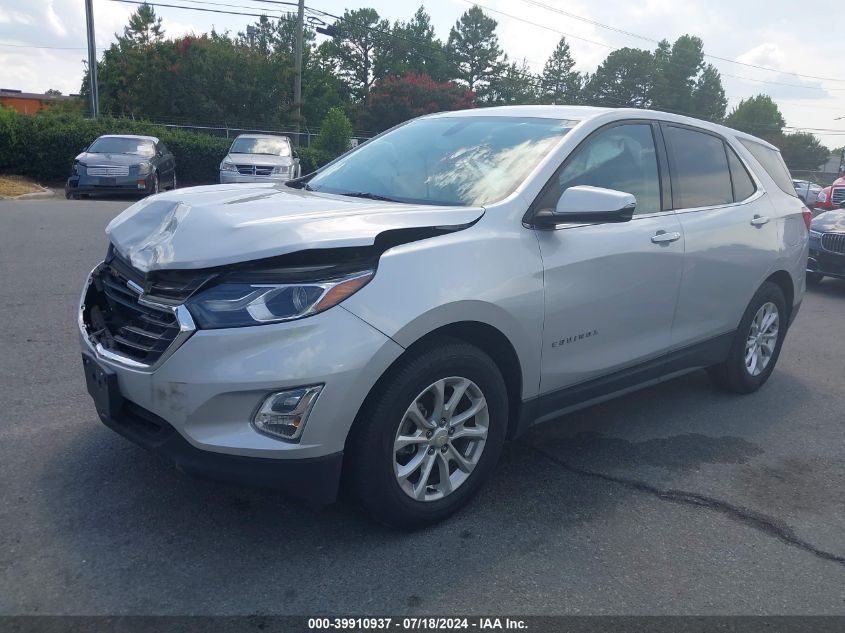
583 204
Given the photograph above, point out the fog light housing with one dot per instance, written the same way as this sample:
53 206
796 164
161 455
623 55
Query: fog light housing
283 414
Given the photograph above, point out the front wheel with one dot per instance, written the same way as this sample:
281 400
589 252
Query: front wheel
430 436
757 343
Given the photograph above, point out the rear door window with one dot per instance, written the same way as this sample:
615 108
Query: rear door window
772 162
699 165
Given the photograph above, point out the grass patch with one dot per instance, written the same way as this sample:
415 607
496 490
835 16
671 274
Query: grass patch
11 186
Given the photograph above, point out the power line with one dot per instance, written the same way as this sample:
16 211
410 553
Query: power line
532 80
584 39
649 39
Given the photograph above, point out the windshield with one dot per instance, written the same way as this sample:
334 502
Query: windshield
270 146
469 160
122 145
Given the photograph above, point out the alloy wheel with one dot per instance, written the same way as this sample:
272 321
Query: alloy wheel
440 438
762 339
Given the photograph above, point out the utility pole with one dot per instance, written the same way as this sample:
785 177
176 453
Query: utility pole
297 82
92 60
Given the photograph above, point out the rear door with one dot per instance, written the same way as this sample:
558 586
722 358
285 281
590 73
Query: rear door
610 289
730 229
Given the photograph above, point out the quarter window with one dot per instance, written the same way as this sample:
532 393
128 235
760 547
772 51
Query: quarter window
700 173
622 157
772 162
743 185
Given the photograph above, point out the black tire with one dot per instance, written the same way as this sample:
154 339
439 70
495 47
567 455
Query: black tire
156 184
173 184
732 374
370 448
814 278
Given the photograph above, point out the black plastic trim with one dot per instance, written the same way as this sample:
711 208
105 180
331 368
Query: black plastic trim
315 479
704 354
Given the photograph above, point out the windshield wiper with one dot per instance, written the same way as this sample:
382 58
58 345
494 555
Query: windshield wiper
368 196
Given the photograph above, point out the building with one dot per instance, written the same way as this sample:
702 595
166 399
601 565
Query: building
30 102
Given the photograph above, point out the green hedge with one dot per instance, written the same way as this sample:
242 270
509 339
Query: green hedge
44 146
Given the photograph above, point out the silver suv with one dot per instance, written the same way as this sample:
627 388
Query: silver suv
391 319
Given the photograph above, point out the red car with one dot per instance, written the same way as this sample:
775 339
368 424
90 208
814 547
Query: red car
832 197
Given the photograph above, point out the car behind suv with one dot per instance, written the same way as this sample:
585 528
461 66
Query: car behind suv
260 158
394 317
126 164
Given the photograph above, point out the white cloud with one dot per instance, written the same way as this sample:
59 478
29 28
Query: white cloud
765 54
14 17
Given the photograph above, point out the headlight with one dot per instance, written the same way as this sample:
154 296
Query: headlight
227 165
822 196
243 304
281 169
78 169
144 169
815 234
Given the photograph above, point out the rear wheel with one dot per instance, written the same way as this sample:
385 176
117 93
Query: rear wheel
430 437
173 184
814 278
757 343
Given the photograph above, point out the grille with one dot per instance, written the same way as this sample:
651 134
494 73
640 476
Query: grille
834 242
254 170
115 318
108 170
837 196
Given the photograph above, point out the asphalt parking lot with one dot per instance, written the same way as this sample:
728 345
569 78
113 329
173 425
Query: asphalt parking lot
675 500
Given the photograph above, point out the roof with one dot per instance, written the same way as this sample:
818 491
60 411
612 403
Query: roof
581 114
140 137
274 136
17 94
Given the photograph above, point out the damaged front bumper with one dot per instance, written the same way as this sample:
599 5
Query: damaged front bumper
195 407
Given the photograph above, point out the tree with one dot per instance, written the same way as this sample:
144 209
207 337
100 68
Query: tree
359 39
144 26
559 83
53 92
335 133
412 48
624 79
802 151
676 73
473 48
708 98
759 116
516 85
398 99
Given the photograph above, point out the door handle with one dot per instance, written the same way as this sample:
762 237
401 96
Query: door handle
664 238
759 220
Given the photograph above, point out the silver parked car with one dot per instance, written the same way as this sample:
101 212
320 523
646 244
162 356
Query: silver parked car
394 317
260 158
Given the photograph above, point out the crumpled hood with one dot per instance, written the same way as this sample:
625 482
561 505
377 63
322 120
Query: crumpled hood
203 227
829 221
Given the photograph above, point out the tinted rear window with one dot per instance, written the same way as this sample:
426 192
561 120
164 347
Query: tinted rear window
743 185
700 174
772 162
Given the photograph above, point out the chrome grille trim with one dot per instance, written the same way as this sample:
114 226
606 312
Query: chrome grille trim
254 170
834 243
837 196
108 170
158 315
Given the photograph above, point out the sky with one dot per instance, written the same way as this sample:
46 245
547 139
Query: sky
43 42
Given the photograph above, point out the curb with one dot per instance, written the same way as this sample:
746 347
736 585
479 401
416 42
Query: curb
36 195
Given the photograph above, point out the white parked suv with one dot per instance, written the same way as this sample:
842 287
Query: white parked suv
394 317
260 158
